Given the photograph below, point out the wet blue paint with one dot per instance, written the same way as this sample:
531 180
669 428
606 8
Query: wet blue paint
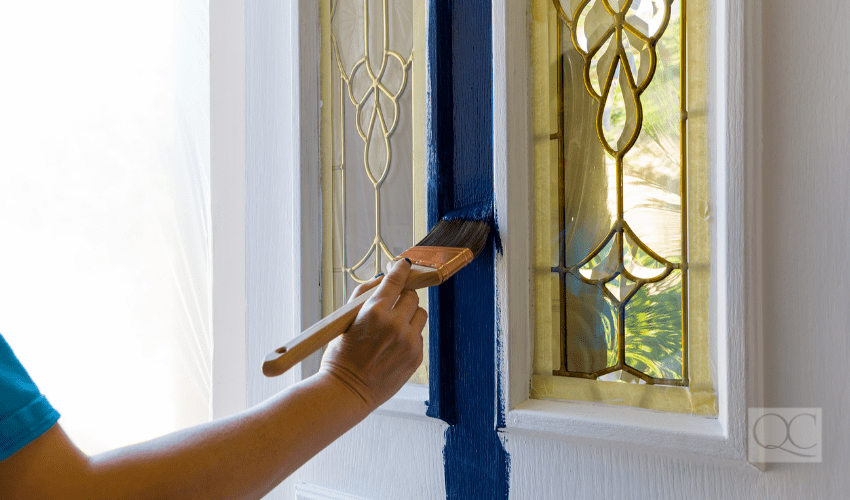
440 148
462 355
476 212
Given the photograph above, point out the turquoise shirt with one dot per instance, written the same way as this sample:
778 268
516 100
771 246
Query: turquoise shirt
25 413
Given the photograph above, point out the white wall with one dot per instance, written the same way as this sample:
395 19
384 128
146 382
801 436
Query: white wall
807 234
806 193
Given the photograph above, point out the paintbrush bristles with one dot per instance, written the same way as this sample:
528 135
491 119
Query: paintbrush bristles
467 229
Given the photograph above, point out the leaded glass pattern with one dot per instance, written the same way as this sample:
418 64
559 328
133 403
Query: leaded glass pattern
621 251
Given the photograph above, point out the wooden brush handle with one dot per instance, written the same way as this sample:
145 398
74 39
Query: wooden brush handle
313 338
334 325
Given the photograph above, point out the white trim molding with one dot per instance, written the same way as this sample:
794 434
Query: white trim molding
411 402
737 274
307 491
282 184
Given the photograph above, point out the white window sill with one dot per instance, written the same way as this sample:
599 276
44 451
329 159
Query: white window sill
639 429
409 403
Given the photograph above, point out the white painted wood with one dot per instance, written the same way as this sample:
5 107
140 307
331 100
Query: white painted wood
753 204
408 403
806 199
281 178
512 165
671 434
227 191
281 185
306 491
307 39
384 458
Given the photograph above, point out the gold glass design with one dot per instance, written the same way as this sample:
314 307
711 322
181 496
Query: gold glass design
622 261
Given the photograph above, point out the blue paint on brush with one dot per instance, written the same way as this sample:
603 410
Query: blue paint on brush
475 212
495 234
463 372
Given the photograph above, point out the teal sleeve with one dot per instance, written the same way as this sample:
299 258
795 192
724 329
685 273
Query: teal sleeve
25 413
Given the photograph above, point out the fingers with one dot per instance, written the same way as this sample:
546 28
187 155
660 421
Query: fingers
419 319
393 284
365 287
406 305
417 323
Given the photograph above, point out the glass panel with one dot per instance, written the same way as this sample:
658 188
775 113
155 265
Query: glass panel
620 172
591 329
616 217
589 193
372 44
620 288
640 264
652 169
396 199
547 347
603 265
654 329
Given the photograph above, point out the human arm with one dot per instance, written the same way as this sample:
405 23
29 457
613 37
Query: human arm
246 455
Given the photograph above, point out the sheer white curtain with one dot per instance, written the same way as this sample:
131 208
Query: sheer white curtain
105 261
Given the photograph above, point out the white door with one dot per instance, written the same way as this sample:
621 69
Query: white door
480 435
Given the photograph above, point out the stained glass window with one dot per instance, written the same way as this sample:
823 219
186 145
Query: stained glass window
622 264
622 205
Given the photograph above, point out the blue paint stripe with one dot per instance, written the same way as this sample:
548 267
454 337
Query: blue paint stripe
462 358
440 144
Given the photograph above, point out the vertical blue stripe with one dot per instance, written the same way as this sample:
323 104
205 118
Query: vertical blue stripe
462 355
440 147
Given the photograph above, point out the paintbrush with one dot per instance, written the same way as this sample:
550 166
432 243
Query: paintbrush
450 245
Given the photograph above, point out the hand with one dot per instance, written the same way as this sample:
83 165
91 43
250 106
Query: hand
383 347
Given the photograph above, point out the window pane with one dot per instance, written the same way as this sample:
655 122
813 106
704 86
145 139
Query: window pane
622 234
621 175
372 105
105 285
620 178
654 329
